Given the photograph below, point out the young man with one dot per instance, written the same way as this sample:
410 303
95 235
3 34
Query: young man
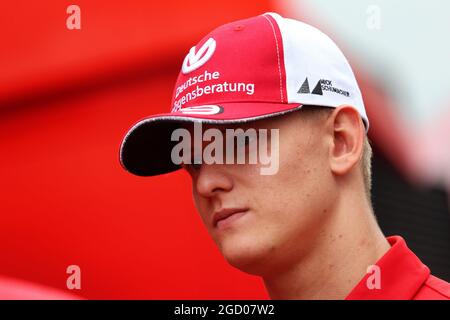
306 226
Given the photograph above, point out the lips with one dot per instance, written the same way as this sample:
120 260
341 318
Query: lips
226 213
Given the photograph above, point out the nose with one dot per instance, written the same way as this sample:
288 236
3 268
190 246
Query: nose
212 179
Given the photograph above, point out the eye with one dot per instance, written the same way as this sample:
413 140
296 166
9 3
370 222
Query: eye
250 139
191 167
195 166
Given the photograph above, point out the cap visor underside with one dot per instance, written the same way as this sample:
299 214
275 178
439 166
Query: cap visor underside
146 148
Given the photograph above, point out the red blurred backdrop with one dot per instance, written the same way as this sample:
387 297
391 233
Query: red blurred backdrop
66 99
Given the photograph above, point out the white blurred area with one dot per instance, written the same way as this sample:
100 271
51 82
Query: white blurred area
404 46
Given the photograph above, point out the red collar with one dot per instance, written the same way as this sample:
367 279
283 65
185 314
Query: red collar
402 275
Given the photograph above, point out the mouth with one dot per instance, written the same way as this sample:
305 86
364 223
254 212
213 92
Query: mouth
224 217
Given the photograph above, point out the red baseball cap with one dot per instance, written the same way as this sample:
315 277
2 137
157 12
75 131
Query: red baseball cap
243 71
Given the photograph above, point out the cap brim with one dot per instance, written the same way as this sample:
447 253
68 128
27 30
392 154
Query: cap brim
146 148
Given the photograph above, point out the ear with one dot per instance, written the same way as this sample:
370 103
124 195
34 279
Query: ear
347 131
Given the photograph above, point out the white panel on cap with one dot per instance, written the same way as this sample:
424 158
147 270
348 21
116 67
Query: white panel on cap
309 53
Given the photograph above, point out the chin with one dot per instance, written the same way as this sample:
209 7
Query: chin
250 258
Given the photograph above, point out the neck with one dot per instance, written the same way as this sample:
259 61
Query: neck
349 243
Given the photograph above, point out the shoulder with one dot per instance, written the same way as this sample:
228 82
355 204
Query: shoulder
434 289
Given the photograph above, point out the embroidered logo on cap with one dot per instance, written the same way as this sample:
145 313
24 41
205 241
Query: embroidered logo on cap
195 60
203 110
322 84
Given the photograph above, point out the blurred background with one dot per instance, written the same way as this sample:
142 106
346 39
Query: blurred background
67 97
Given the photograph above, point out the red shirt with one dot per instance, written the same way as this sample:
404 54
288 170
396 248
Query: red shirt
402 276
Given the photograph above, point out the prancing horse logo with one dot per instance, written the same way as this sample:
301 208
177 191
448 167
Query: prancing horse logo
196 60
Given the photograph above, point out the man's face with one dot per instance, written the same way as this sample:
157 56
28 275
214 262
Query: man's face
283 212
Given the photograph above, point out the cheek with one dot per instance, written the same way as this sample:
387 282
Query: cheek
302 165
295 195
202 206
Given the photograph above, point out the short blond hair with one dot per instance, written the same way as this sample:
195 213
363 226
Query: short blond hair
367 153
366 166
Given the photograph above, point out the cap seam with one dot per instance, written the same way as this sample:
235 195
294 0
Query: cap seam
278 58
